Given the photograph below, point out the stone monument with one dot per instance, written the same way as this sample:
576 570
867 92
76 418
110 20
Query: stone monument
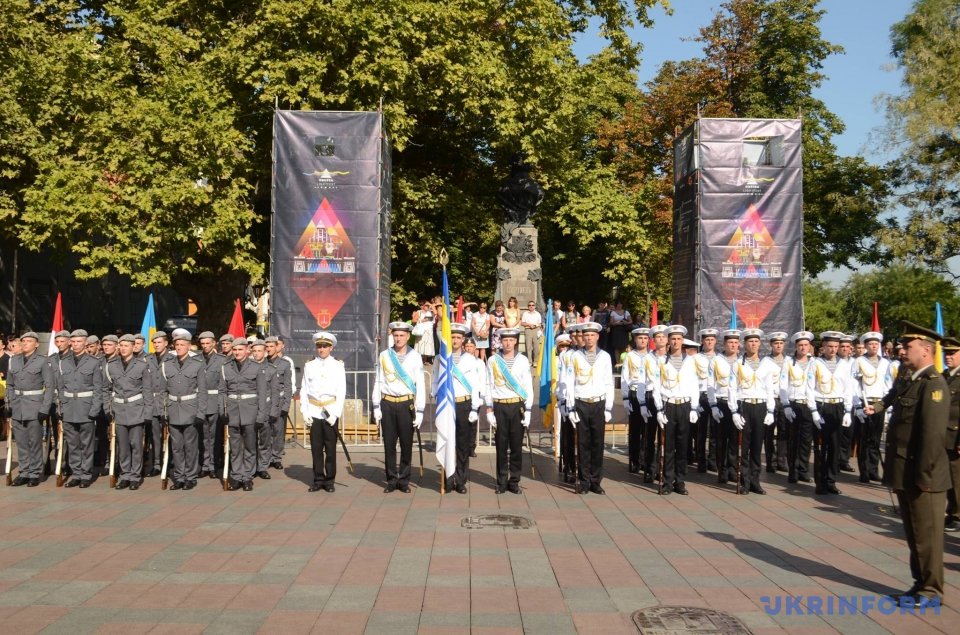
518 266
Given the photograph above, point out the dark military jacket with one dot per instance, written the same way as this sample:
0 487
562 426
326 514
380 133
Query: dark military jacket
80 387
211 368
953 425
183 390
30 386
284 382
246 392
151 360
270 369
128 392
915 455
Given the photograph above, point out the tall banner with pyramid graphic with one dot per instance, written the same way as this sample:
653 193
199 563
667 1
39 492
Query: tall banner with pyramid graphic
738 224
330 247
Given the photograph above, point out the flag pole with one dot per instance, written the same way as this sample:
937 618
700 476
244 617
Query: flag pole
444 259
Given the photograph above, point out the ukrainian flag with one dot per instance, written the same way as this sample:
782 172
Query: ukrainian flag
149 326
446 419
547 369
938 350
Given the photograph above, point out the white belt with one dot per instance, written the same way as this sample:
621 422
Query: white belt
78 395
28 393
213 392
183 397
246 396
128 399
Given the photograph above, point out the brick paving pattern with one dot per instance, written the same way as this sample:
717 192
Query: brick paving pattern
280 560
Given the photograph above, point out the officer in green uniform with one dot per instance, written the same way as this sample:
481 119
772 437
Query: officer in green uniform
916 465
951 348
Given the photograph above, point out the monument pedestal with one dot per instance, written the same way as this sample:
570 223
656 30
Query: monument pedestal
518 266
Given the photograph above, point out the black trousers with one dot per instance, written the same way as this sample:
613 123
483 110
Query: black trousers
650 432
675 443
706 436
825 457
726 438
634 433
568 452
509 440
753 433
591 431
845 437
323 450
464 430
397 424
800 438
775 441
868 454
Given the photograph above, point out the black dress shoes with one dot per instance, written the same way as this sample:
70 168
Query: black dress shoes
513 489
154 472
189 485
265 475
461 489
804 479
176 485
33 482
316 487
248 486
681 489
134 486
404 488
756 489
832 489
846 468
596 489
648 478
84 484
122 485
74 482
20 480
330 487
499 490
389 488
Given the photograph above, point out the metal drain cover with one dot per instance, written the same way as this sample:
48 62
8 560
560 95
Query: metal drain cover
504 521
681 620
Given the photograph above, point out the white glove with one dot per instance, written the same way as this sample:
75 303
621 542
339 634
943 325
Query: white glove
331 420
377 414
662 419
861 415
715 411
308 422
645 412
574 417
628 406
418 420
607 416
738 420
526 419
768 420
789 414
492 420
817 419
847 420
694 417
473 417
887 415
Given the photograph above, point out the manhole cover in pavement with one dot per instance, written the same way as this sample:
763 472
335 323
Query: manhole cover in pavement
506 521
678 620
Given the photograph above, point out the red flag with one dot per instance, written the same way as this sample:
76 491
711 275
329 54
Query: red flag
236 323
653 322
876 318
57 325
460 309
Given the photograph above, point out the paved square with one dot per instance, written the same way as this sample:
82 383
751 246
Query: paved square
279 559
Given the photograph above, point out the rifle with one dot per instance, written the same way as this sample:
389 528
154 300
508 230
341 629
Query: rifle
663 459
166 454
113 450
59 470
420 444
739 459
9 468
347 452
226 446
576 458
533 470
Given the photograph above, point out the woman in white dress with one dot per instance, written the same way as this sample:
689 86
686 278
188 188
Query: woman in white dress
480 324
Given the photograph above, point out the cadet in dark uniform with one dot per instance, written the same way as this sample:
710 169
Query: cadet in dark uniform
265 432
61 340
80 386
101 453
226 345
210 462
284 368
139 346
155 429
951 348
246 390
30 388
916 465
128 390
182 385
